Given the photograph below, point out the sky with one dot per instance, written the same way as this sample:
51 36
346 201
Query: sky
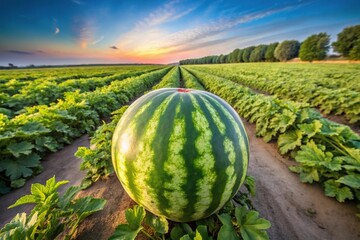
53 32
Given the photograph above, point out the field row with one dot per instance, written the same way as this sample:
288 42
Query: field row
41 129
320 86
46 91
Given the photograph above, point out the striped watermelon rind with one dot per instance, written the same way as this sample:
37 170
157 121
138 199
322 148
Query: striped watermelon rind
180 153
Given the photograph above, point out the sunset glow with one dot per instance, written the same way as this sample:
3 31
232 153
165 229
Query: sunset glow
84 31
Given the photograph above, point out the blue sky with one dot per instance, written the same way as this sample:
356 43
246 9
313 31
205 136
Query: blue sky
84 31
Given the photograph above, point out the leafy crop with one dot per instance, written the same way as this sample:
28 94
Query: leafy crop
52 214
97 159
48 90
190 81
236 220
325 152
334 90
25 139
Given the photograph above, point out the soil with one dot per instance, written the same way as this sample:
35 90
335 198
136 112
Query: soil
296 210
63 164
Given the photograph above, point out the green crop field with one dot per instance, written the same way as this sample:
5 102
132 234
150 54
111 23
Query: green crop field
289 105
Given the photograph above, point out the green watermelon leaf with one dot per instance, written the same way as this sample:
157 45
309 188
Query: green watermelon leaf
24 200
251 226
351 180
334 189
283 120
84 207
124 232
227 230
202 233
289 140
250 184
3 188
33 128
311 129
309 175
66 198
23 147
135 216
311 155
18 183
177 232
186 237
158 223
20 167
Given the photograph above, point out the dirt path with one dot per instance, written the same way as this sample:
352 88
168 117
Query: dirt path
63 164
296 210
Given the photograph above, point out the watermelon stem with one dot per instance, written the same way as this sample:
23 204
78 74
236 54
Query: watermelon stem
147 234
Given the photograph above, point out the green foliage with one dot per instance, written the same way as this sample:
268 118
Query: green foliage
315 47
25 139
355 51
52 213
347 39
287 50
236 220
246 54
170 80
269 54
233 56
190 81
258 54
97 159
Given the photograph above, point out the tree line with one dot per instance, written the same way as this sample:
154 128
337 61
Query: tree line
315 47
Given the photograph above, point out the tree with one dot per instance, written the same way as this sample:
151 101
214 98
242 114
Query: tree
258 54
269 55
222 58
346 40
287 50
233 56
246 53
239 56
355 51
315 47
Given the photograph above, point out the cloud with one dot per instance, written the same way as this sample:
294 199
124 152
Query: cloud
83 30
78 2
21 52
114 47
166 13
147 36
57 30
97 40
150 38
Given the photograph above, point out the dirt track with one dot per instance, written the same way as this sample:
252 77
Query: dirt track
296 210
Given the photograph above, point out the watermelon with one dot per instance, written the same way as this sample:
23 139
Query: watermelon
180 153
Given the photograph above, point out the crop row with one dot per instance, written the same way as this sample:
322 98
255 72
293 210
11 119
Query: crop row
324 93
97 158
190 81
27 137
46 92
325 152
12 81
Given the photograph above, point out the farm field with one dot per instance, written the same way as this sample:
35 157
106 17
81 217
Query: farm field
315 200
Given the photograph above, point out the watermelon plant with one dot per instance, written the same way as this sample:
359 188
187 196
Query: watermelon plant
180 153
52 215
